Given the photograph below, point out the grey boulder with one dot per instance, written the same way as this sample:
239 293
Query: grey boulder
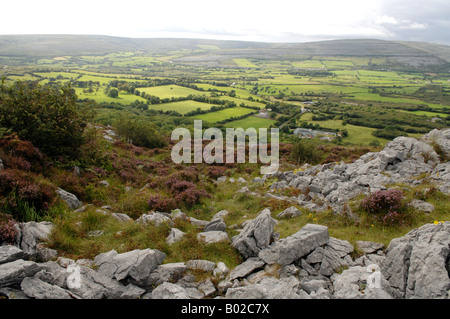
289 249
168 290
70 199
216 224
267 288
354 283
256 235
32 234
10 253
136 264
38 289
14 272
417 264
289 212
212 237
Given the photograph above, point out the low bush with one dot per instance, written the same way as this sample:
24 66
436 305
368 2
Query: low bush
47 116
185 192
8 231
306 151
385 205
161 203
22 197
140 133
22 155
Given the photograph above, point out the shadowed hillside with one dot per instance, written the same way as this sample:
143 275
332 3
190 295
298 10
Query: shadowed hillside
53 45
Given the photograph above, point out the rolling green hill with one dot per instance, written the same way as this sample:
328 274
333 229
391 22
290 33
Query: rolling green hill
413 54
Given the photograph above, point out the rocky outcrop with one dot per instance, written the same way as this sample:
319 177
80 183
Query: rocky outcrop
306 265
418 264
441 138
216 224
353 284
155 218
289 213
135 265
292 248
404 159
32 236
256 235
212 237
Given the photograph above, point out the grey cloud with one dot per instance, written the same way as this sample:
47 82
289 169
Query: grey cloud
418 20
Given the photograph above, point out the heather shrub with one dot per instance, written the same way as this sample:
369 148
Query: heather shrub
21 155
189 174
22 197
185 192
191 196
8 231
181 192
216 171
71 183
161 203
385 205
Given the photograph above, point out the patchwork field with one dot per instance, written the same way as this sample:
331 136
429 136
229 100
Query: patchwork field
358 135
181 107
244 63
168 91
251 121
340 87
101 97
225 114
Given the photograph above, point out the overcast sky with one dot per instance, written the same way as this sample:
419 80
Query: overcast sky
253 20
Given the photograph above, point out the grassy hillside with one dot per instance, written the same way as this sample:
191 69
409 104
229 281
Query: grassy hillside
413 54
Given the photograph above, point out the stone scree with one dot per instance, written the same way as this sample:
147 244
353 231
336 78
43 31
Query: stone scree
306 265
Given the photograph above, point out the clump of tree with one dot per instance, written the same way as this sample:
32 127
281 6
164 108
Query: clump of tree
47 116
309 72
140 133
306 150
389 133
111 92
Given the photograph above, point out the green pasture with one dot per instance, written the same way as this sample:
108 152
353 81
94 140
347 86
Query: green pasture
168 91
239 101
65 75
25 77
307 64
224 114
181 107
427 113
116 76
135 61
208 46
367 96
358 135
325 88
240 93
99 97
338 65
244 63
251 121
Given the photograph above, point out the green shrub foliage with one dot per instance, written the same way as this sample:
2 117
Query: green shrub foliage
47 116
140 133
306 151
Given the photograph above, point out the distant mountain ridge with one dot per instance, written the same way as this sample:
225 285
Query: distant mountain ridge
74 44
415 54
